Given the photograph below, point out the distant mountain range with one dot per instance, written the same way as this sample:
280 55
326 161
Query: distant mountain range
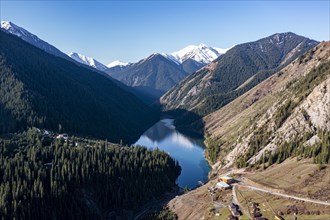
157 73
162 71
235 72
200 54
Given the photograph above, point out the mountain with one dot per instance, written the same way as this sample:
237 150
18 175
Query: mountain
286 115
235 72
46 91
117 67
193 57
20 32
155 72
200 53
274 138
87 61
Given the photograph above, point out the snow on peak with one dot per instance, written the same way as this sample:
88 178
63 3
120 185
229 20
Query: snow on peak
25 35
200 53
12 28
6 25
117 63
87 61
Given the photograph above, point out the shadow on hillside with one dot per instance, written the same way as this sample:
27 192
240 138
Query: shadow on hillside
187 122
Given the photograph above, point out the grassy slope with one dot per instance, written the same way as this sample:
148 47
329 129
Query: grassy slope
302 178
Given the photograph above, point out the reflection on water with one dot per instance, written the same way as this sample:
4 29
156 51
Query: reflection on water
188 151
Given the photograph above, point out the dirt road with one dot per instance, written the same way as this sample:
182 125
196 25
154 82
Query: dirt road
271 191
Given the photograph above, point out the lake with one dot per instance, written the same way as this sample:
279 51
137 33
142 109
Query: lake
187 150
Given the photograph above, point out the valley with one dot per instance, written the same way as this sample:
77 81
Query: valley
199 133
303 182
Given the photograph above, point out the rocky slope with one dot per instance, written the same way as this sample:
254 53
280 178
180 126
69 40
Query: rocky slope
292 106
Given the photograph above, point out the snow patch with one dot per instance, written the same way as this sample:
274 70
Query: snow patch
87 61
117 63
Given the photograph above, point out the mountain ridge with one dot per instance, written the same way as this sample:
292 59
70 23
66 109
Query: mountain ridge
154 71
22 33
276 111
214 85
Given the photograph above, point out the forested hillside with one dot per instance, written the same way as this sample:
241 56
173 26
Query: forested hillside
240 69
42 177
286 115
39 89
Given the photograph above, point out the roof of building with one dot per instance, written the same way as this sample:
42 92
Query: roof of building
226 177
222 185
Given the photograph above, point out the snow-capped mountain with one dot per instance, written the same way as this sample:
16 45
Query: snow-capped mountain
117 63
155 72
200 53
87 61
20 32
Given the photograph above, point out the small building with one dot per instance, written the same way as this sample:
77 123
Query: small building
222 185
277 217
226 179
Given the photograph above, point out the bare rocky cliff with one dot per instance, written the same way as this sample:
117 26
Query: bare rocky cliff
290 105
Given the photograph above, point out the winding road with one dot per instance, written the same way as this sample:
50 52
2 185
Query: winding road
270 191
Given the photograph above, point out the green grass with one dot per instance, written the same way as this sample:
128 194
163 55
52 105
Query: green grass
270 205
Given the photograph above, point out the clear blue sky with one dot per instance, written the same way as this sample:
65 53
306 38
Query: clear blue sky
131 30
